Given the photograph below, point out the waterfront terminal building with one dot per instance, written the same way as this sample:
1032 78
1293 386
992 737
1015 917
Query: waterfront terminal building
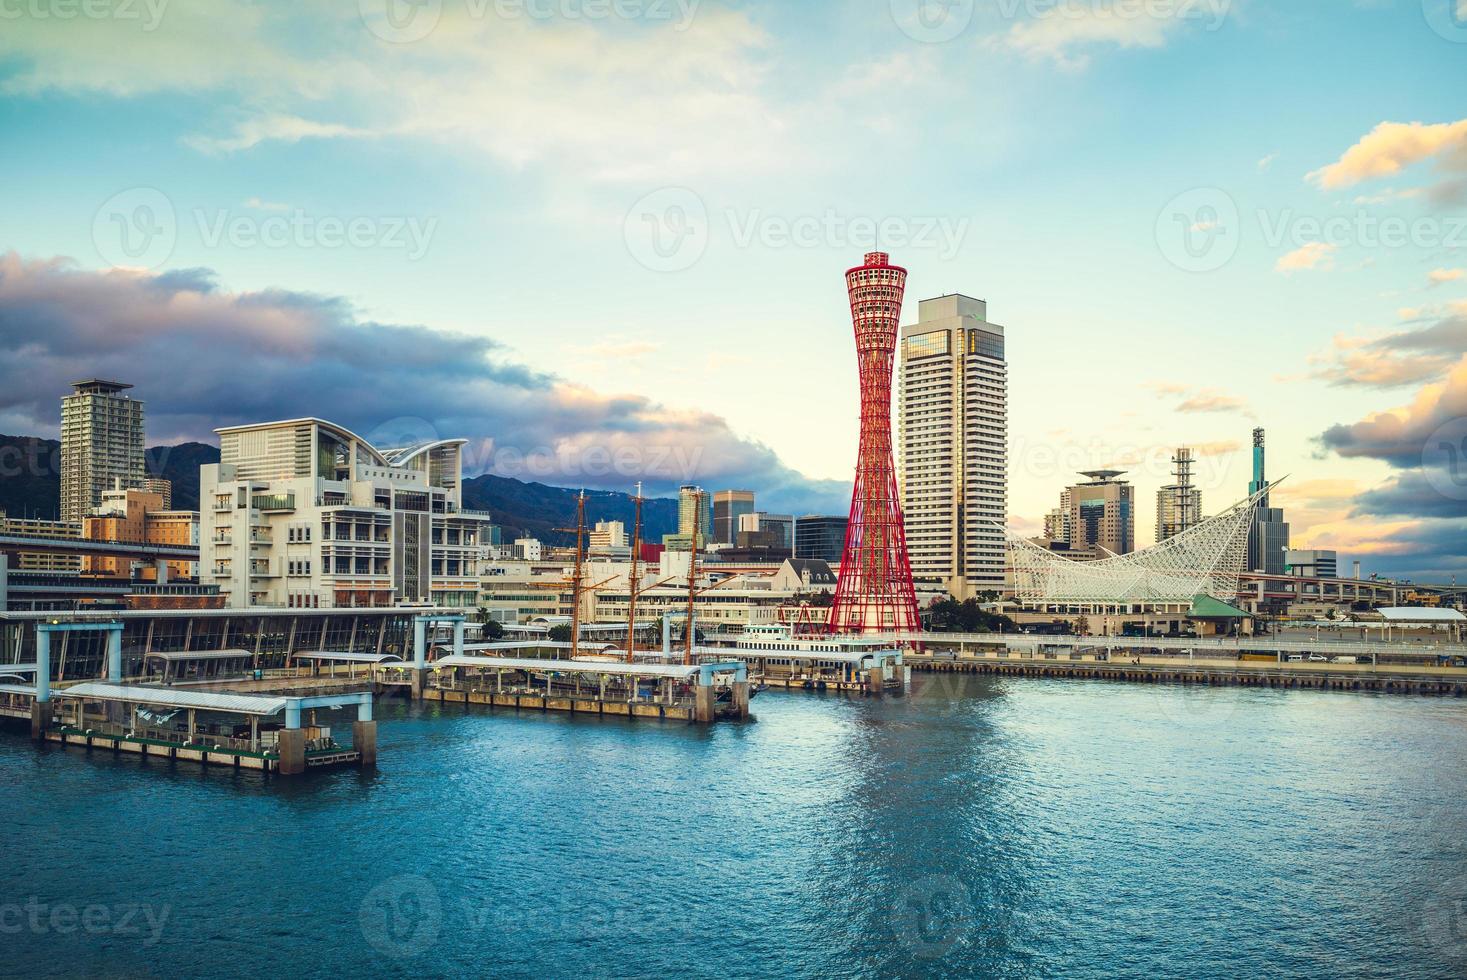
305 514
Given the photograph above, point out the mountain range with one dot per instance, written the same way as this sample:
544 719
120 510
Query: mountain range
30 486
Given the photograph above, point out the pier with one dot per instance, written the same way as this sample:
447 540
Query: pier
1151 669
701 693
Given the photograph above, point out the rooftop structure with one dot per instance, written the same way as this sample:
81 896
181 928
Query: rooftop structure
1205 560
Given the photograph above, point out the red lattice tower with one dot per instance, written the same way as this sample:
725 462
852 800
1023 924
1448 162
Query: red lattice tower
875 592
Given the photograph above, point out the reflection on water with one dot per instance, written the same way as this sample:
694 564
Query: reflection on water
1004 827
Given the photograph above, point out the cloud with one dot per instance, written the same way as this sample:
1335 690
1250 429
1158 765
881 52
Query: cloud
203 357
1197 400
1061 33
1391 147
278 128
1400 436
616 98
1267 162
1399 358
1313 255
1438 276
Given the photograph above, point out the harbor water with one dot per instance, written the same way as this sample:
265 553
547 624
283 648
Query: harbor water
975 826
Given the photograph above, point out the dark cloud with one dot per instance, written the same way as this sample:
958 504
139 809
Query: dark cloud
203 357
1432 551
1426 440
1411 495
1411 436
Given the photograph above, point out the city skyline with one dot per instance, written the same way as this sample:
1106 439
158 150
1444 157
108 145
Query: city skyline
1307 322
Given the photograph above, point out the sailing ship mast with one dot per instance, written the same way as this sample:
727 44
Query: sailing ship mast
636 575
693 577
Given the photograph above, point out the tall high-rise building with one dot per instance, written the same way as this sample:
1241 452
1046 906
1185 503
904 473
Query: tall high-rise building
1178 505
693 515
952 434
1268 540
101 444
728 507
875 592
1102 513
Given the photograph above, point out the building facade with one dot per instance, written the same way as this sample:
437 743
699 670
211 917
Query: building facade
101 444
1102 513
141 517
822 538
1179 504
1269 538
693 517
1312 563
305 514
729 507
952 434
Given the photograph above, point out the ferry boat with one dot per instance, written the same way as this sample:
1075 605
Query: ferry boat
779 658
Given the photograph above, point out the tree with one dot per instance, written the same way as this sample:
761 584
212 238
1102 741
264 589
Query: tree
493 629
1082 626
560 633
948 615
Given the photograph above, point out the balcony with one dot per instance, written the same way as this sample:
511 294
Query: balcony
273 502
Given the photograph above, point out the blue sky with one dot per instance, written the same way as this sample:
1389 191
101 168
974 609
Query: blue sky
497 170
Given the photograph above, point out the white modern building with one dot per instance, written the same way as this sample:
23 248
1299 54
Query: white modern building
952 434
101 444
306 514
